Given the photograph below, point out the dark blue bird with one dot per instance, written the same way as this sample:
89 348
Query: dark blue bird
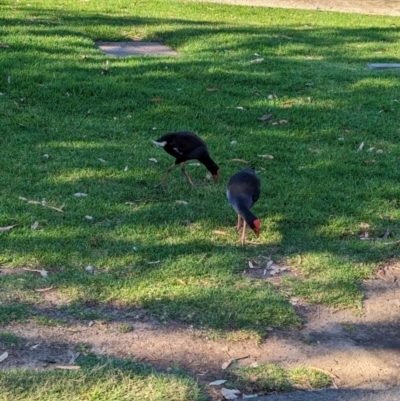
242 192
186 146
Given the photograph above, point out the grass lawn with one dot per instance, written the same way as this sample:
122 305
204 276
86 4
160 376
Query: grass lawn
71 123
102 379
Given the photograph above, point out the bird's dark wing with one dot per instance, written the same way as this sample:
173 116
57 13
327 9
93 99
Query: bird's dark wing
186 142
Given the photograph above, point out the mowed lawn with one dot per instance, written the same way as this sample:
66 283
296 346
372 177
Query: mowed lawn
76 121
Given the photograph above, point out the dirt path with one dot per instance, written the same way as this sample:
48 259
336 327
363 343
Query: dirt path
381 7
358 351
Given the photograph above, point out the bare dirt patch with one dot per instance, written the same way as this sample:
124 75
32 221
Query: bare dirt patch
358 349
377 7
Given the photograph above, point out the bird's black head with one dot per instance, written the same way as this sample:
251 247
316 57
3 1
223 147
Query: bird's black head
213 168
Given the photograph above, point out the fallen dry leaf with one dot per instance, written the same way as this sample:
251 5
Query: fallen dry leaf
87 217
101 160
233 142
266 156
257 60
34 346
68 367
220 232
74 358
126 168
230 394
379 151
240 161
217 382
288 102
387 233
240 108
194 164
8 228
283 121
35 225
364 225
157 99
265 117
213 89
89 269
360 147
44 289
58 209
43 203
180 281
80 194
3 356
42 272
153 263
225 365
181 202
152 159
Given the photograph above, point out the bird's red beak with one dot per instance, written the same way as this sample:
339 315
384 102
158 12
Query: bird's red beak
257 226
215 176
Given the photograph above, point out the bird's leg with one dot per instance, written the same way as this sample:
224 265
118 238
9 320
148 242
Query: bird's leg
243 232
239 224
161 184
183 168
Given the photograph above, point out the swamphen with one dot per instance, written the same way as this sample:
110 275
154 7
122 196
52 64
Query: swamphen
242 192
185 146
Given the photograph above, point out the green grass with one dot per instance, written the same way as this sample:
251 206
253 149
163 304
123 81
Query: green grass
316 191
8 339
271 377
102 379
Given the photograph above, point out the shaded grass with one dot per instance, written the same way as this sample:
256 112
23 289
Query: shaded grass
8 339
316 191
100 379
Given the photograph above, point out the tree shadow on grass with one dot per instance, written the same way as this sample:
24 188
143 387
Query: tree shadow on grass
303 197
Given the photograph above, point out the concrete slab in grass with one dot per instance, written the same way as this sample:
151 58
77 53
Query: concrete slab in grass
125 49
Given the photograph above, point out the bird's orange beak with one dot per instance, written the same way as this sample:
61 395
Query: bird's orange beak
215 176
257 226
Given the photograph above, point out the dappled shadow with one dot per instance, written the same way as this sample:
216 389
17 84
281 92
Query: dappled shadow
79 115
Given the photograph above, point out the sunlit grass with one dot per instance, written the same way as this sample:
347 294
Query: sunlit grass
100 379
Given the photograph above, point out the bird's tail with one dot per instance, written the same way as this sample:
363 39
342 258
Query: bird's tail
162 144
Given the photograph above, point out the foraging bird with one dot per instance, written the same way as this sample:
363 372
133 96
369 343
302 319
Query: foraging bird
242 192
185 146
